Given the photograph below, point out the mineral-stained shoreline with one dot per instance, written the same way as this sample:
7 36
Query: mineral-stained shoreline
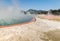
34 31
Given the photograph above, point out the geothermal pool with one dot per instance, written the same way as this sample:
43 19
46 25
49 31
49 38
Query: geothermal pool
11 14
18 20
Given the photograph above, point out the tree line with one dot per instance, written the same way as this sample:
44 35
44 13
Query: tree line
32 11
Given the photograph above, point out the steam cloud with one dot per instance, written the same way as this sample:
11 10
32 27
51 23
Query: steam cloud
11 15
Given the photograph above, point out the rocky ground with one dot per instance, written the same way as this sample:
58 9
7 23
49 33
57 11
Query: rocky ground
39 30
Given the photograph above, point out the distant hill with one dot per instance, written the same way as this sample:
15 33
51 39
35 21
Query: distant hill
33 11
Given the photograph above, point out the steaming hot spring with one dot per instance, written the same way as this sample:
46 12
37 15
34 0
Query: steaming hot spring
11 15
43 29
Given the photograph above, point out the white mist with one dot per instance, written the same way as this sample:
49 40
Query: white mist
12 14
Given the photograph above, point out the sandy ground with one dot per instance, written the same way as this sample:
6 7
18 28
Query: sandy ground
34 31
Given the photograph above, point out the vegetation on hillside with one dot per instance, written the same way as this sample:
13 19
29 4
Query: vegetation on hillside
33 11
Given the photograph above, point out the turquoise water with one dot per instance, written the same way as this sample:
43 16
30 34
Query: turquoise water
22 19
12 14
